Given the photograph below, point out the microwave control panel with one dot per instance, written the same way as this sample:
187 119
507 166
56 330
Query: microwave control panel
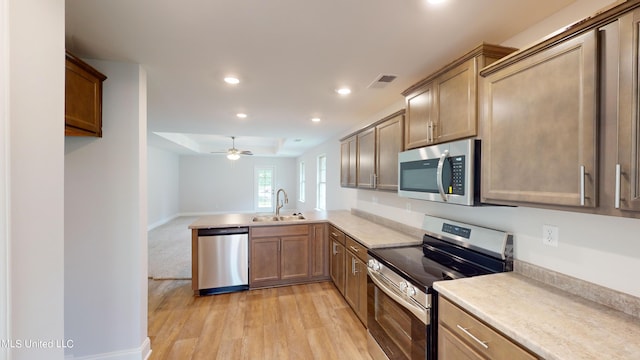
457 175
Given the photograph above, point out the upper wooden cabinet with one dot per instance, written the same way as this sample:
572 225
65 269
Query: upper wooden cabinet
626 169
539 136
561 119
377 148
366 159
444 106
388 144
83 98
348 162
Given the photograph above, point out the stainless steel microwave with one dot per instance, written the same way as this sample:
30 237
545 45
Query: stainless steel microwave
447 173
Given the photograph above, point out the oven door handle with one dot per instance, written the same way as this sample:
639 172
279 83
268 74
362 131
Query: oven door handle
439 172
421 313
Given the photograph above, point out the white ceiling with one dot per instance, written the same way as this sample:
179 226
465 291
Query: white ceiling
290 56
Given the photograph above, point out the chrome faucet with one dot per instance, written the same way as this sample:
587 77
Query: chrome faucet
278 204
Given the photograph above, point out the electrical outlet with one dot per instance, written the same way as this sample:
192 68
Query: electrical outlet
408 206
550 235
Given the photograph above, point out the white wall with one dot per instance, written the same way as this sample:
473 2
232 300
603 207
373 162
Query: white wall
105 224
4 171
31 169
594 248
163 185
214 184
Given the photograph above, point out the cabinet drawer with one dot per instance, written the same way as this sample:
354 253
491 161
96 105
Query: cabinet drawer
357 249
477 335
286 230
335 234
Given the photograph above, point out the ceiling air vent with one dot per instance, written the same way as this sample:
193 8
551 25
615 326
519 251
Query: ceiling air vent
382 81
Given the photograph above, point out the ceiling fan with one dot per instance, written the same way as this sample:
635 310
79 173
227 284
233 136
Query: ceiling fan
233 153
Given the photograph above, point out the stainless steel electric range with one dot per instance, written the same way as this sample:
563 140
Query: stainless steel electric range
401 303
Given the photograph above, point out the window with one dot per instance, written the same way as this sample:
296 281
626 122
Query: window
301 182
264 180
321 203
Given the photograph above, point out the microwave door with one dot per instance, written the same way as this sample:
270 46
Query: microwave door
427 179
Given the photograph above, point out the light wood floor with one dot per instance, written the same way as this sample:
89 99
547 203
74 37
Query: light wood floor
295 322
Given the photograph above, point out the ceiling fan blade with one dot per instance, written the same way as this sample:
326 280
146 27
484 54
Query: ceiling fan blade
245 152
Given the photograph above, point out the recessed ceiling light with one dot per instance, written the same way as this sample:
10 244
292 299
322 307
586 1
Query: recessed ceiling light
315 119
343 91
241 115
231 80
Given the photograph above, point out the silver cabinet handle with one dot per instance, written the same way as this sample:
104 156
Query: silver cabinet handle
353 266
335 249
582 175
429 131
466 331
443 157
617 194
353 248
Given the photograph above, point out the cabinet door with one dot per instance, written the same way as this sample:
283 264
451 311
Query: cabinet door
338 265
452 348
540 123
456 103
366 159
294 257
355 289
420 118
83 98
264 266
628 154
348 162
388 144
469 336
319 244
351 280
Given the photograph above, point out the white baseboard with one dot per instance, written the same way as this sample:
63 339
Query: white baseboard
162 221
141 353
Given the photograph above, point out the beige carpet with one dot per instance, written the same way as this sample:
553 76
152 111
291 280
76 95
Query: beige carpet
170 249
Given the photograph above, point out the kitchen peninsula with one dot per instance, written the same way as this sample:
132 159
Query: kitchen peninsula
291 249
550 315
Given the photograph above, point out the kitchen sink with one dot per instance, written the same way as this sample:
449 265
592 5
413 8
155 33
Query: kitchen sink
277 218
291 218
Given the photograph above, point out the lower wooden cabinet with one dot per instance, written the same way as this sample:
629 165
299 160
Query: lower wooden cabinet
288 254
348 263
355 287
319 251
462 336
337 258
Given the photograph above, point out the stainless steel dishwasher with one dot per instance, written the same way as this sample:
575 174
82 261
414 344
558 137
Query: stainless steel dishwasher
223 260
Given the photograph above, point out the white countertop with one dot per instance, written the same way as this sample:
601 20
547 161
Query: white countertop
366 232
550 322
